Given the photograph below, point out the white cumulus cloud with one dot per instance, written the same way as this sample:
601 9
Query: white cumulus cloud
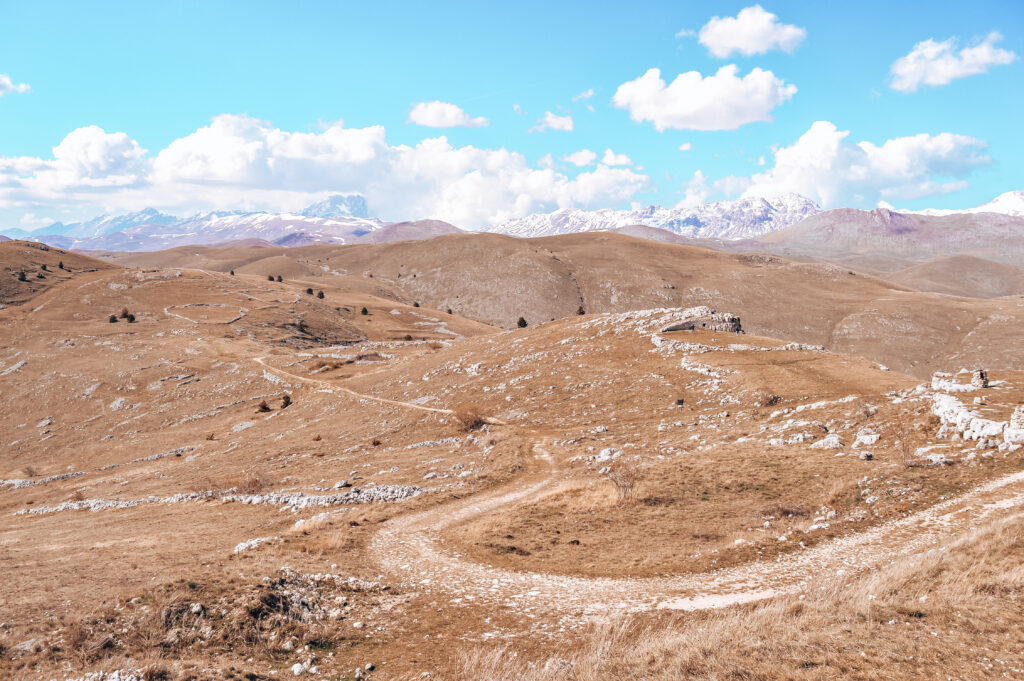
610 158
753 31
938 63
685 146
247 163
824 166
586 94
583 157
439 114
7 86
723 101
552 121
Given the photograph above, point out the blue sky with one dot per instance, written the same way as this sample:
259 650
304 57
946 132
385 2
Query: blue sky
216 92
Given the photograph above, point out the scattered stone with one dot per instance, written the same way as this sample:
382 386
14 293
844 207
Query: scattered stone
830 441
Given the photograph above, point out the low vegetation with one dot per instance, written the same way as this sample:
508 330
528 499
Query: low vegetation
944 611
469 416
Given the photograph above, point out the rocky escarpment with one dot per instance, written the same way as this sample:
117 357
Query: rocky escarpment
704 318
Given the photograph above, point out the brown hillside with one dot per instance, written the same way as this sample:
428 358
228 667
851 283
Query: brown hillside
963 275
30 257
496 279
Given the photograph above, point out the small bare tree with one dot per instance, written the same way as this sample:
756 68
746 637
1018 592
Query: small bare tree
624 478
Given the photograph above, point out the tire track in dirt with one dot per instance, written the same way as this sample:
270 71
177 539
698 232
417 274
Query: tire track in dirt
410 549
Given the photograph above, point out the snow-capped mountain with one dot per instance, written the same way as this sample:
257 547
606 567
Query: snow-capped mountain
1010 203
328 221
740 219
338 206
107 224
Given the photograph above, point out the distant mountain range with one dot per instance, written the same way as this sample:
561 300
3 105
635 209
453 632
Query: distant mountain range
743 224
1010 203
740 219
338 219
884 240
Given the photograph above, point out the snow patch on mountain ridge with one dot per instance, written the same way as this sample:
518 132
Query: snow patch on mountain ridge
740 219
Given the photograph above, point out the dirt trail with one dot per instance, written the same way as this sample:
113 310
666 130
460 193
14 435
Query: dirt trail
411 549
334 387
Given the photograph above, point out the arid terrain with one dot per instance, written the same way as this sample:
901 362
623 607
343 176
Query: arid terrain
588 456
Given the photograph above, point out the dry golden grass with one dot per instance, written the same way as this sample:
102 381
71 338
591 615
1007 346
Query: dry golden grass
246 482
942 614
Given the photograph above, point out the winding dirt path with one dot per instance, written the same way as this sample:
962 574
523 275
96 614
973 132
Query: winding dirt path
335 388
410 548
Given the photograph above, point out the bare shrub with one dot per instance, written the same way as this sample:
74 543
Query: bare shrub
113 319
77 495
30 472
252 483
764 398
263 407
469 416
784 511
156 672
624 478
286 401
901 435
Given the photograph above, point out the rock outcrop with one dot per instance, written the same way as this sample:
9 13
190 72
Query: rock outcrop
706 319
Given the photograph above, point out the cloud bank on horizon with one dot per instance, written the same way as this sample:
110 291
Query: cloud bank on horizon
242 161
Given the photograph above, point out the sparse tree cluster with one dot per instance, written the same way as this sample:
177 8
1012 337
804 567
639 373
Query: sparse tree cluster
125 315
264 408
